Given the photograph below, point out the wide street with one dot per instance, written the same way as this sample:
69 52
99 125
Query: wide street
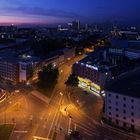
35 119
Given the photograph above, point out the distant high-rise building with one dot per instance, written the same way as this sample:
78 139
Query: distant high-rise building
96 27
70 26
107 27
76 25
86 27
59 27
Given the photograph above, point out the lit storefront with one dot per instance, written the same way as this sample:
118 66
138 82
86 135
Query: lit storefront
87 84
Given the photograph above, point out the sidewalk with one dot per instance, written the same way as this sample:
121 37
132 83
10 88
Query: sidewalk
60 137
132 135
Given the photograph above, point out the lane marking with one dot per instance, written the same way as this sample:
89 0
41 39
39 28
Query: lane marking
75 126
20 131
89 131
57 111
69 126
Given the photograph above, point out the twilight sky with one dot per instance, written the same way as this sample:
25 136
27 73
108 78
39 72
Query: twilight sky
59 11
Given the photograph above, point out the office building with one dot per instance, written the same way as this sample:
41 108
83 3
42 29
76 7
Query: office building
75 25
19 69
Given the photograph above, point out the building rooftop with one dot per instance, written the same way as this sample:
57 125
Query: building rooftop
129 86
11 56
96 62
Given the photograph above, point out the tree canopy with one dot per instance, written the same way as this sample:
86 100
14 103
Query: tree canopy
72 81
48 77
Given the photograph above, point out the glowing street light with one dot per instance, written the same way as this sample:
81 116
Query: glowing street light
61 93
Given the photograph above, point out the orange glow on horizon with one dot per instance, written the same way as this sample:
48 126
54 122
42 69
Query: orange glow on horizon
28 20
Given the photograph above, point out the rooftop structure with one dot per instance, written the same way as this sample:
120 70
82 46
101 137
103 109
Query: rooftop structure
129 86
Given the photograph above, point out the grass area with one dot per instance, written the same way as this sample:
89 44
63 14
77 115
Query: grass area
5 131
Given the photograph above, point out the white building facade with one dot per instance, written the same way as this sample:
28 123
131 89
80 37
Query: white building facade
122 110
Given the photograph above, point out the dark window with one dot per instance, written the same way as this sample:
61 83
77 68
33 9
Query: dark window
117 115
124 105
132 120
124 98
124 118
110 118
117 109
132 113
109 107
124 124
117 97
109 95
132 100
109 113
124 111
132 107
117 122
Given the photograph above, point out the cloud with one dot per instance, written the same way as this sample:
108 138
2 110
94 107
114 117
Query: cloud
37 11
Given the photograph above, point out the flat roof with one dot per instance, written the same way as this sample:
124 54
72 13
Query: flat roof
129 86
11 56
95 61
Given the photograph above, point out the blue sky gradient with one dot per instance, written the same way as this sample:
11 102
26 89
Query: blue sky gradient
59 11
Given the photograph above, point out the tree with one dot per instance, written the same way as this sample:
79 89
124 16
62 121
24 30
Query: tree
48 77
72 81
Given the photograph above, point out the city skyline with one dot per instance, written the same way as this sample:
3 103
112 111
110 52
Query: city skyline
54 11
69 70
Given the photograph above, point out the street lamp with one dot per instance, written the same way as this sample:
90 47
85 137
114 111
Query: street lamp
61 93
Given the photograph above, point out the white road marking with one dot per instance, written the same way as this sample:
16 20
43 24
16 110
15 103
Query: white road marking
69 126
18 131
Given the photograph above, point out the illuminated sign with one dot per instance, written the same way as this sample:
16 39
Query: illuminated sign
89 66
92 67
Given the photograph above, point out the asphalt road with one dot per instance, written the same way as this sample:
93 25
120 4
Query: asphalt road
34 118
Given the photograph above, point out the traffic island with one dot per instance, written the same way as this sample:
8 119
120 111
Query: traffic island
5 131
